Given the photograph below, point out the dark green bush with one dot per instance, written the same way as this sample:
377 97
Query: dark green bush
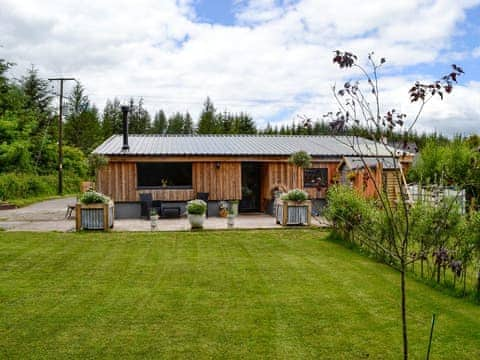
22 186
196 207
349 211
301 159
74 161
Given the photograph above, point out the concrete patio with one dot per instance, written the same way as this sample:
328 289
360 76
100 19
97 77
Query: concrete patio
50 216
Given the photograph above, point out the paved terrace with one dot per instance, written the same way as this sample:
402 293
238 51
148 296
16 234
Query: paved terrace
50 216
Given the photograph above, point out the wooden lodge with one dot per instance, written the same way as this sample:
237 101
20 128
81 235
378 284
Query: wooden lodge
248 168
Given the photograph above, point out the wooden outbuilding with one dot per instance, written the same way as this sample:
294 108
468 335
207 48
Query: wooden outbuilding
248 168
370 175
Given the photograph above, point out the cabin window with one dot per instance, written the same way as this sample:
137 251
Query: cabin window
315 177
164 175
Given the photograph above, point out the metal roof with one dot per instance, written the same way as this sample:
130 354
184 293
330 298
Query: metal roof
238 145
356 162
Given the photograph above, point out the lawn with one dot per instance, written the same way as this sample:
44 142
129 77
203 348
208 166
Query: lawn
236 294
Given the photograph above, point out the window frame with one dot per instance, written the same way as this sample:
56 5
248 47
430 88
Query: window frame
159 186
317 185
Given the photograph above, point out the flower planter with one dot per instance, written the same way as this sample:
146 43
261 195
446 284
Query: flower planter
231 220
196 221
153 222
94 216
234 207
289 212
223 213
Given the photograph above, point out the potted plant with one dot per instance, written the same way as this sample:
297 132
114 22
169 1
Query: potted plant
153 219
294 208
231 219
94 211
301 159
234 207
222 209
196 210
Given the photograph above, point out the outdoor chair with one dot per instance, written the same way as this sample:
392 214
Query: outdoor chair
147 205
203 196
70 208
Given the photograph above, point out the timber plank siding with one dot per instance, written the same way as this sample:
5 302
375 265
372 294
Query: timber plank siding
281 175
221 177
222 180
118 180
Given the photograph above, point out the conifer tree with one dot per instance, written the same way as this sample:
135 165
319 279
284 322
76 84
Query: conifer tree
159 125
207 123
112 118
139 118
188 124
176 124
82 124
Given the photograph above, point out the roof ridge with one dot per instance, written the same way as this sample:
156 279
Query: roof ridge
228 135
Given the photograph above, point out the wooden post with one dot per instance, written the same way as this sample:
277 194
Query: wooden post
105 217
78 216
309 213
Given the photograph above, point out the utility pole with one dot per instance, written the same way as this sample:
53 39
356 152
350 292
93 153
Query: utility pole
60 133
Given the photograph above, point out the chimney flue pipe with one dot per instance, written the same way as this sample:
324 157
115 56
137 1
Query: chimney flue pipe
125 110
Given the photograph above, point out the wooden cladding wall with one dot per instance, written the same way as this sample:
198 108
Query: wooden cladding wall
222 183
118 180
289 177
280 174
168 194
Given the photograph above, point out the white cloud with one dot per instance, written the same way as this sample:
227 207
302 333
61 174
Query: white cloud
275 60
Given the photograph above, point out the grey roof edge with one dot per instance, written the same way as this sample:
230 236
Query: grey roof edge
318 149
107 141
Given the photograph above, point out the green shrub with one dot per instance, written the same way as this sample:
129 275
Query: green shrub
196 207
74 161
93 197
301 159
349 211
23 186
295 195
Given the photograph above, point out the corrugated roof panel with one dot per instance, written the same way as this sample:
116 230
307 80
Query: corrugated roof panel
234 145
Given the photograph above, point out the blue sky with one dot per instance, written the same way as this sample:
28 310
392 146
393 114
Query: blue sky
270 58
216 12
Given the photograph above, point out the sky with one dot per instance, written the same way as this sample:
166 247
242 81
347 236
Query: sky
269 58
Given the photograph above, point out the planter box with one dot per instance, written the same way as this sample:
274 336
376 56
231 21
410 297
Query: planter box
94 216
293 212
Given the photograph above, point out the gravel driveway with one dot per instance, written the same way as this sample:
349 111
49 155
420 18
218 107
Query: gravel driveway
42 216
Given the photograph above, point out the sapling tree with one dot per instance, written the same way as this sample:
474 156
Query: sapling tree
360 104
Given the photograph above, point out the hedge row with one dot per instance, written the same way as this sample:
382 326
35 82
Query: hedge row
23 186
